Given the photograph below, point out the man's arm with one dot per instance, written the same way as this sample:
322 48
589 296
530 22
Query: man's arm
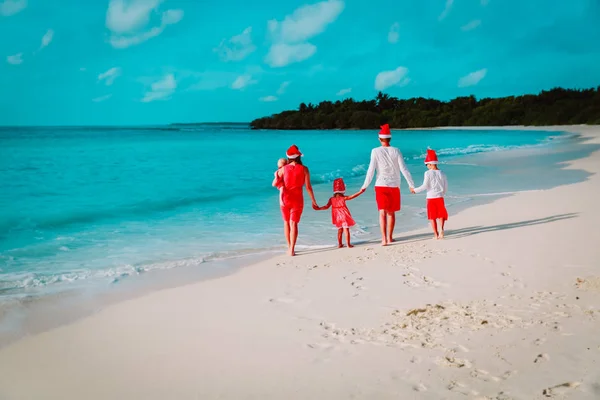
404 170
370 172
309 188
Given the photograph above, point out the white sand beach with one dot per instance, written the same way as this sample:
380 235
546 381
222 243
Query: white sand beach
506 307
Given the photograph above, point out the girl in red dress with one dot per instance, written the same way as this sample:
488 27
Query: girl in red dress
340 215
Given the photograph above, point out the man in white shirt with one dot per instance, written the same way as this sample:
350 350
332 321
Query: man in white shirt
388 162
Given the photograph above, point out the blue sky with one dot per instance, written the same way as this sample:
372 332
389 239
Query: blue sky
112 62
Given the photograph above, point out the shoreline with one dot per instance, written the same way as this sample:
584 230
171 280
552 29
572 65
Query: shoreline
310 307
40 313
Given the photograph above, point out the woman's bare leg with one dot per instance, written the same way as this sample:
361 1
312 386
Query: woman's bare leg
340 244
383 225
286 232
347 231
442 223
293 237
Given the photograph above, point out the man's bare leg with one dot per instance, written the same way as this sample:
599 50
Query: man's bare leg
391 224
383 225
340 244
434 227
293 237
347 230
286 232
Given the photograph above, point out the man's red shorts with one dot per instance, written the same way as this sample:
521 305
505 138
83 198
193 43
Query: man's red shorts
292 213
388 198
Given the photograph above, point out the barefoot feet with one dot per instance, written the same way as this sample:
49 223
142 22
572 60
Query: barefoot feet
441 235
350 245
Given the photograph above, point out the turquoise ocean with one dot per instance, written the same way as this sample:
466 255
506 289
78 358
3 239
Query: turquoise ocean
89 207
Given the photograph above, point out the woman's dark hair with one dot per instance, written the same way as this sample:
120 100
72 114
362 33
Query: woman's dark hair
297 160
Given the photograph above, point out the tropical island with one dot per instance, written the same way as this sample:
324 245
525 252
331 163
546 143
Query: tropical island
550 107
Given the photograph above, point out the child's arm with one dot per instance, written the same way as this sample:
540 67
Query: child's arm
445 183
325 207
355 195
424 186
278 180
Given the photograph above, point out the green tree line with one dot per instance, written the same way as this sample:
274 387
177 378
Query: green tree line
550 107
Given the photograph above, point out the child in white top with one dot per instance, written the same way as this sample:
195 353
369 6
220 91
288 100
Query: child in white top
436 184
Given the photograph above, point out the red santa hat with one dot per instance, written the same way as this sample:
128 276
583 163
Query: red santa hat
431 157
293 152
339 186
385 132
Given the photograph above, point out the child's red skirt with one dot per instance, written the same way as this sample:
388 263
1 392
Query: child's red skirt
436 209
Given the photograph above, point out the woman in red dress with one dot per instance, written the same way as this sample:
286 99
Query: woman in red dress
294 176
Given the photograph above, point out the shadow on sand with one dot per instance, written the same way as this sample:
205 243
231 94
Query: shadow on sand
457 233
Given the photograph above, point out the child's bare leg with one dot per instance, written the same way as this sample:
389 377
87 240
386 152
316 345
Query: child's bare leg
383 225
347 231
434 226
442 223
286 232
391 224
293 237
340 244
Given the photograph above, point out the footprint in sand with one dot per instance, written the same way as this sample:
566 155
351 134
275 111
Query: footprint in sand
561 389
484 376
321 346
461 388
541 358
508 374
450 361
283 300
540 341
420 388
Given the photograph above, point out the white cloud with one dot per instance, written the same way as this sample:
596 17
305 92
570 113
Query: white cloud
394 33
343 92
283 87
306 21
472 79
242 81
283 54
471 25
127 20
268 99
125 16
446 11
290 35
237 47
15 59
210 80
47 38
386 79
161 90
12 7
109 76
102 98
